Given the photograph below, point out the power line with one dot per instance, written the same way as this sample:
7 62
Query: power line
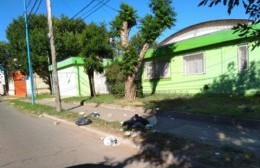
116 10
33 7
39 4
96 9
30 14
91 9
83 9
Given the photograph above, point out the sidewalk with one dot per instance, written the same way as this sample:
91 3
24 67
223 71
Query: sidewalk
217 131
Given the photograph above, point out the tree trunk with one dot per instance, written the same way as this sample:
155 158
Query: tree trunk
124 35
130 88
91 83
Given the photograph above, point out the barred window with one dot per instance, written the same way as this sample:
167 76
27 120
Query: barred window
242 57
194 64
157 69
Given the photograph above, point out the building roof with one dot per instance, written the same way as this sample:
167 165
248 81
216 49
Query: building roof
201 29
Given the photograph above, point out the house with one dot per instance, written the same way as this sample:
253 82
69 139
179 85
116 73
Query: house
208 56
73 80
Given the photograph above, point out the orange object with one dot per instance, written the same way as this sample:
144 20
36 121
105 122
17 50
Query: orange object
19 84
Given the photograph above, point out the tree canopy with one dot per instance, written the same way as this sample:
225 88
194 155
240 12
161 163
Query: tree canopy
67 33
95 48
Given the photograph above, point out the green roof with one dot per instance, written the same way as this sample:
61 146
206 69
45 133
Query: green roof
69 62
199 42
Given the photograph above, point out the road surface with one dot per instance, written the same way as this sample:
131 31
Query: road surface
33 142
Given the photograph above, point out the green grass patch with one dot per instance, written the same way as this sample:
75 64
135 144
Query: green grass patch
209 104
39 109
42 96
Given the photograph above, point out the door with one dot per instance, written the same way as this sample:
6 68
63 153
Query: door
19 84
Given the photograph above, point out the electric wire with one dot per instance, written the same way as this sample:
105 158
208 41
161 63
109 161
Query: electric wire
33 7
96 9
82 9
82 15
39 4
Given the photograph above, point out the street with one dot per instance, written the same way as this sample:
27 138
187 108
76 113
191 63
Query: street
34 142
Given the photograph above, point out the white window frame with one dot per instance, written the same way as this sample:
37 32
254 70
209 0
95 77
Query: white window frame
153 64
240 68
192 55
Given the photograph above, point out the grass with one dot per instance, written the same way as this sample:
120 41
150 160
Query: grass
42 96
209 104
39 109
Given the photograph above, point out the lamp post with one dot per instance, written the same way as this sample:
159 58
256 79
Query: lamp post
28 52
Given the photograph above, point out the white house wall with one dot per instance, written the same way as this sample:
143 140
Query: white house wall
67 82
100 84
40 86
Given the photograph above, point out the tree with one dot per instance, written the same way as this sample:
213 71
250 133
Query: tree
5 62
95 47
252 8
67 36
66 31
3 53
152 25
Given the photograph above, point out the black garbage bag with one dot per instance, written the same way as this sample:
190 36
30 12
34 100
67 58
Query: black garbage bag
135 123
83 121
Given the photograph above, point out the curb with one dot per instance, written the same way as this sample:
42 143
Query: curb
99 133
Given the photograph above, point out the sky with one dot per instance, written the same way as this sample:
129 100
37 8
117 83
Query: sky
188 13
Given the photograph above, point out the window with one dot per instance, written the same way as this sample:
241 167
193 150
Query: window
242 57
194 64
157 69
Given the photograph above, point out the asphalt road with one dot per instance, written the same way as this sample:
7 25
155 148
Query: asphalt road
33 142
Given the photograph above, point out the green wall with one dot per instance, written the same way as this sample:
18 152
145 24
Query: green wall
221 66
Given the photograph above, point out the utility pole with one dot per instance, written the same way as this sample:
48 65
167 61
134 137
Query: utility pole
53 56
28 51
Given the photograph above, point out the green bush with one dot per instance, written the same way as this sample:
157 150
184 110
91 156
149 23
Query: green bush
116 78
118 89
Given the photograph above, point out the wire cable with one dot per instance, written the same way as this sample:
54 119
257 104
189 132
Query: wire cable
96 9
33 7
39 4
83 9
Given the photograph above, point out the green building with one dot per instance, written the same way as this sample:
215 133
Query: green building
208 56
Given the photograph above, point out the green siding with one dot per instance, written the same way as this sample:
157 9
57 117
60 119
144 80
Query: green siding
221 73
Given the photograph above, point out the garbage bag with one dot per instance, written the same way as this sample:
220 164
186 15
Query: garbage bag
83 121
136 122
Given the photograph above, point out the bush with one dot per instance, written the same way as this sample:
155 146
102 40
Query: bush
116 78
119 89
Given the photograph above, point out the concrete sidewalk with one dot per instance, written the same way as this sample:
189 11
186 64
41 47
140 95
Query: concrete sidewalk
206 131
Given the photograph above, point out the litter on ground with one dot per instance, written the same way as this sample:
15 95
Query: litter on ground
139 123
83 121
109 141
95 114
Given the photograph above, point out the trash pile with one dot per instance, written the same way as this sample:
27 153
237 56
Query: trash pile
139 123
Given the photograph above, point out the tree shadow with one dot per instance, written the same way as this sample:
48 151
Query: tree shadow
159 67
234 83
